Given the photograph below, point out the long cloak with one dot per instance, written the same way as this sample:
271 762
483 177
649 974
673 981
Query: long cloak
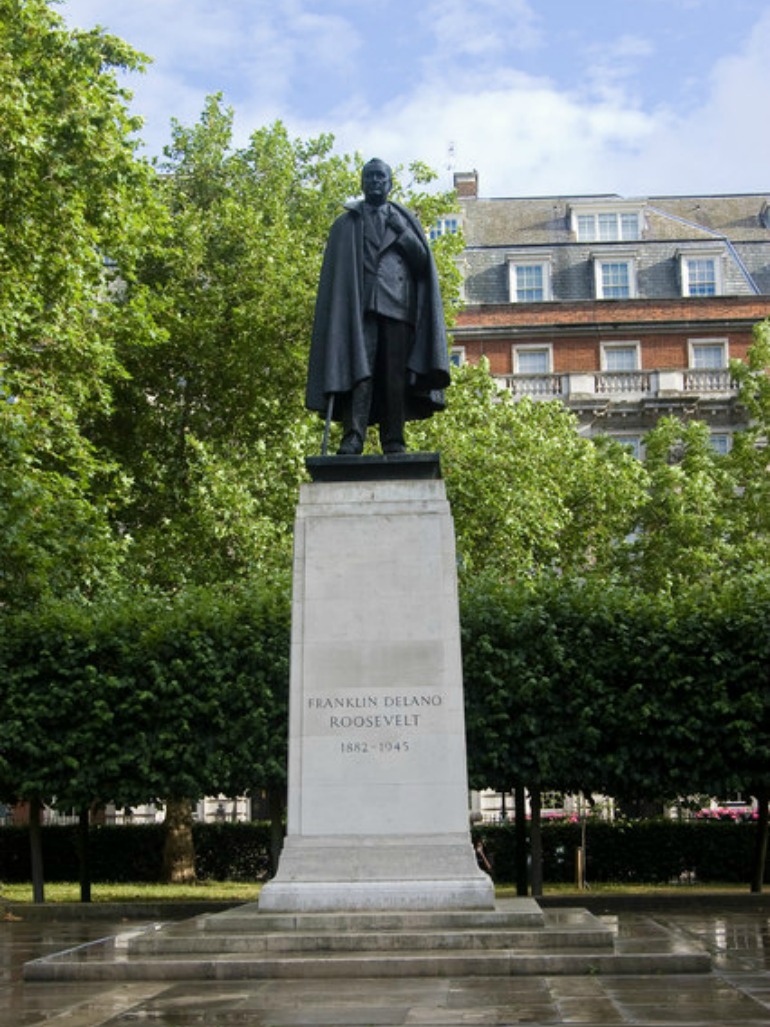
338 357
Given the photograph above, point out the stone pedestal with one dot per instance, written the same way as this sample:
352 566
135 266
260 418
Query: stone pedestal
378 801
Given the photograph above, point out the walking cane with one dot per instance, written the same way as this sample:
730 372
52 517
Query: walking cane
327 426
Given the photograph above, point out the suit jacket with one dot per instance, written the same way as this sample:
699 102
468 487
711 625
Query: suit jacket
392 265
338 354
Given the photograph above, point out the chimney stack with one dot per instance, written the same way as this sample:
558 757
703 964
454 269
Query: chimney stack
467 184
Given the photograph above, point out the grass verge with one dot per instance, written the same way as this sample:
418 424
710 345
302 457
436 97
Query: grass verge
200 891
244 891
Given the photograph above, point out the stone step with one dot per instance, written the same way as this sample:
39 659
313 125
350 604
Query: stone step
369 941
252 945
511 913
79 967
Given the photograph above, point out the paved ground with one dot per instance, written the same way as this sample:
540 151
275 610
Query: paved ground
736 992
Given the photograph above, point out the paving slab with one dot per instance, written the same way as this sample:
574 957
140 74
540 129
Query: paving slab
735 994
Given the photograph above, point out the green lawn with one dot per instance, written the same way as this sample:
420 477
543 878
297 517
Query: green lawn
216 891
238 891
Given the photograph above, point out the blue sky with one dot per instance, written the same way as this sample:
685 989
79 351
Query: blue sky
541 97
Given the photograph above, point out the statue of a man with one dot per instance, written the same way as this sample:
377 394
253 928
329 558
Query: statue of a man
379 352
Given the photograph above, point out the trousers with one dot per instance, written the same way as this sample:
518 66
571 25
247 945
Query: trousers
381 398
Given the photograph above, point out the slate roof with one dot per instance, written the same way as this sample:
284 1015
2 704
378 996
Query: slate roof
738 225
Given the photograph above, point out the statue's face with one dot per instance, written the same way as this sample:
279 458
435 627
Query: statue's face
376 182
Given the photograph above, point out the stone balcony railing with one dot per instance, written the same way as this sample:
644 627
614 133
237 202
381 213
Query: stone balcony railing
622 385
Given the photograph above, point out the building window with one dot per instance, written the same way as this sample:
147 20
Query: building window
457 356
720 442
532 359
701 277
607 226
620 356
707 355
700 274
445 226
614 279
633 442
529 281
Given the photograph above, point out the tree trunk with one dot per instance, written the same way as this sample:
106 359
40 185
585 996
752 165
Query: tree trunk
276 804
760 840
84 854
536 842
36 849
178 847
520 831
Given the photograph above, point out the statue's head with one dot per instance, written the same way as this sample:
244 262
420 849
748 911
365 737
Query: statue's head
376 181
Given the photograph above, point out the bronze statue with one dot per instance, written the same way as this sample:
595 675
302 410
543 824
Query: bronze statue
379 351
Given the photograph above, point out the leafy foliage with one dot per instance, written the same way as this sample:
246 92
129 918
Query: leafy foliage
686 527
209 421
594 685
135 700
74 200
155 326
527 491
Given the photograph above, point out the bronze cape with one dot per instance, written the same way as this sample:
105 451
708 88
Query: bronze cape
338 358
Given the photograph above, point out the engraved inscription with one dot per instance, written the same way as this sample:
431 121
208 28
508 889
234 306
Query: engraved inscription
378 720
387 705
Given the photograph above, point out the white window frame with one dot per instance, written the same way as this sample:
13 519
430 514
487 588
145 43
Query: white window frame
608 347
607 221
694 344
533 347
686 256
516 261
457 356
602 260
449 224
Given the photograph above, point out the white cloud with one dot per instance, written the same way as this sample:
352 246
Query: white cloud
525 134
722 145
612 65
520 133
252 51
480 27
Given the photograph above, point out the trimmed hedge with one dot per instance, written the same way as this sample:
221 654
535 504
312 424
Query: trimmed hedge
645 851
223 852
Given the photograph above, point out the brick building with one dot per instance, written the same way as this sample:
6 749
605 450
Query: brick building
625 309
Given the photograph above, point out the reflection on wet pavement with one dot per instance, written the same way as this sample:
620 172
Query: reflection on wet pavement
736 992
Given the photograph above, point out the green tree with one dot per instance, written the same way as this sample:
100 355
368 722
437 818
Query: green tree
55 535
686 528
137 698
528 492
75 199
210 421
748 459
597 686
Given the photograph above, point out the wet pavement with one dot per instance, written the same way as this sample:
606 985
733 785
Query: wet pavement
737 991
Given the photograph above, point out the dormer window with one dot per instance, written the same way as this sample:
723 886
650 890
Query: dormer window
607 221
529 278
607 227
700 272
614 274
